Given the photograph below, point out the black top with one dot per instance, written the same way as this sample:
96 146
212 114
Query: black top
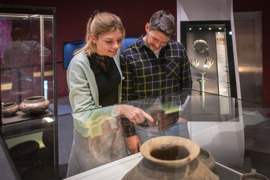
107 78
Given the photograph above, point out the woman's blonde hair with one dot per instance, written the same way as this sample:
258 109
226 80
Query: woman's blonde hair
98 25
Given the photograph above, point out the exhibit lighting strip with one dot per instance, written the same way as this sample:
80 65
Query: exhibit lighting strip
205 28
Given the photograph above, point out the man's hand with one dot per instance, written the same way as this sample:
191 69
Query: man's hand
133 144
182 119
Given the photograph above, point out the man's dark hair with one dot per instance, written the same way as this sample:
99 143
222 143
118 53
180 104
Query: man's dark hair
163 21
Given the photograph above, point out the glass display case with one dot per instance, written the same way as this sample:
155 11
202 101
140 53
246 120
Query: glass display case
237 136
209 47
28 86
27 59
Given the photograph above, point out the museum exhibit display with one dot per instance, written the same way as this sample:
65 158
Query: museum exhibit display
207 29
235 143
170 157
229 138
226 144
34 105
27 61
209 47
28 88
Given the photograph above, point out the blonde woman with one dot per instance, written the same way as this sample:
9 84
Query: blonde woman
94 79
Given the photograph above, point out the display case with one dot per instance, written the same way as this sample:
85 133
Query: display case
209 47
28 87
28 83
27 60
237 136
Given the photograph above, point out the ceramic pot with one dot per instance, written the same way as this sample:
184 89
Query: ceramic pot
9 109
253 176
207 159
170 157
34 105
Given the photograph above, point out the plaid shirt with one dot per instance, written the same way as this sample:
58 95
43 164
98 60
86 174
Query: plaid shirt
146 76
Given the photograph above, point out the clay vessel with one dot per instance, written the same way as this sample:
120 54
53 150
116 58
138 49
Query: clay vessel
170 157
34 105
207 159
9 109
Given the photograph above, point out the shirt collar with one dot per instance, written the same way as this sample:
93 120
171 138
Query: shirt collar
141 42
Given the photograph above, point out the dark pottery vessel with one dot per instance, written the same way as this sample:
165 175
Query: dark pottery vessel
170 157
207 159
34 105
9 109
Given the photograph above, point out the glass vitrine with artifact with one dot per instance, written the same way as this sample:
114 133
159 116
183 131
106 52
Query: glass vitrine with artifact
28 101
27 63
209 47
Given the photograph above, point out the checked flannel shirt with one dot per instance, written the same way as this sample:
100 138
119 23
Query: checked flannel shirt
146 76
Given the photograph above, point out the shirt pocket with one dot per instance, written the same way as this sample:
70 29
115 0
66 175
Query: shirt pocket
172 67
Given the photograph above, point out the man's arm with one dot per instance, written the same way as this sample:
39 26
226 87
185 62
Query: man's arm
127 83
